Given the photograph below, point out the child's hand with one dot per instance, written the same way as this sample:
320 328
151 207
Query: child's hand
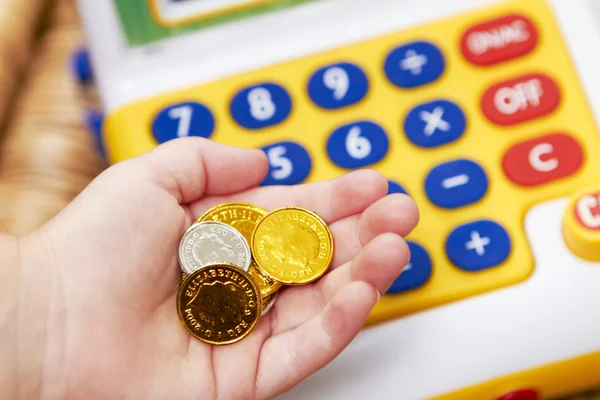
101 279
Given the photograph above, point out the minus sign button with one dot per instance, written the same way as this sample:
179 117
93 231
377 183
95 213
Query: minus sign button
455 181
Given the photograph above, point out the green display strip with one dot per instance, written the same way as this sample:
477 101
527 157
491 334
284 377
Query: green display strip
141 28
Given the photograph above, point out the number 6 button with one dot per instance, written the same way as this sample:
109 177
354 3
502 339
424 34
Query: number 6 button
261 106
357 145
289 164
337 86
184 119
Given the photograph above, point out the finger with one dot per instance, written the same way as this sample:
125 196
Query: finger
378 264
192 166
395 213
290 357
330 199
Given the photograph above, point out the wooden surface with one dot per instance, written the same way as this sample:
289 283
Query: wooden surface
47 156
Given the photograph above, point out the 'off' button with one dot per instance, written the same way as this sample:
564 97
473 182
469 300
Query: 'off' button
520 99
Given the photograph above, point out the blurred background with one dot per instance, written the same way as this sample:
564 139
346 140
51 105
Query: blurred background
47 153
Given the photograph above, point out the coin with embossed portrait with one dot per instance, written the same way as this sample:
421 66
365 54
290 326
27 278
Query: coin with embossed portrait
219 304
292 245
213 242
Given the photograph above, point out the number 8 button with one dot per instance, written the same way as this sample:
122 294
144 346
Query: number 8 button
338 85
357 145
260 106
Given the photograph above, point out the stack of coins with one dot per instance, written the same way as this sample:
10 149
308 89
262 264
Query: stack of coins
236 257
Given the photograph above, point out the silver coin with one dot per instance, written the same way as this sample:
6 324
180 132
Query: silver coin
268 307
212 242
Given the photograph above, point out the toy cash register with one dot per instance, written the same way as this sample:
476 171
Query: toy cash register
484 112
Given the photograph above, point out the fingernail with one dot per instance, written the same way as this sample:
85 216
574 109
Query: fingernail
378 294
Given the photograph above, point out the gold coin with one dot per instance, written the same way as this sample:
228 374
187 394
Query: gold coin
219 304
266 284
243 217
292 245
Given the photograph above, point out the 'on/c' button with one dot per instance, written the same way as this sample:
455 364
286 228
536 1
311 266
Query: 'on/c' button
581 224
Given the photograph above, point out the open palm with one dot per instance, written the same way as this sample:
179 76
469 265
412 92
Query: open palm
111 255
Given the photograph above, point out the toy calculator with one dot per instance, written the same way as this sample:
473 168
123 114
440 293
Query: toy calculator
484 112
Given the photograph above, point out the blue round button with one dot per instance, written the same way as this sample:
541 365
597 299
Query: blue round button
434 123
357 145
181 120
260 106
456 184
394 187
338 85
289 164
414 64
81 67
478 245
416 272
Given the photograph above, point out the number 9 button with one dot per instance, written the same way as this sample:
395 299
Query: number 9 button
357 145
338 85
261 106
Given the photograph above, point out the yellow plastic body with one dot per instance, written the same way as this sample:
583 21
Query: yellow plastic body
128 134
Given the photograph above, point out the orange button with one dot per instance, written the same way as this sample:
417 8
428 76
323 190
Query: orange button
581 224
543 159
499 40
520 99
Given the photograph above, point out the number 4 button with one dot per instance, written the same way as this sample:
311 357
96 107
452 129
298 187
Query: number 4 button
357 145
183 119
289 164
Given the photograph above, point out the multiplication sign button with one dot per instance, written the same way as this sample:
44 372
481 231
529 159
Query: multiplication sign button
478 245
434 123
456 184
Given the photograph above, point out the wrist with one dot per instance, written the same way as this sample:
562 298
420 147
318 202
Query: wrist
28 294
9 288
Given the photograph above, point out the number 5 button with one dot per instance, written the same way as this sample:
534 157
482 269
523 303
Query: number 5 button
357 145
338 85
289 164
184 119
261 106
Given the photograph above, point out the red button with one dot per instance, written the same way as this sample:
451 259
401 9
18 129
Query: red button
520 99
499 40
587 211
523 394
541 160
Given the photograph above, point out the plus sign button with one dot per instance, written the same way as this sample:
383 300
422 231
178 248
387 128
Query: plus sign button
478 245
434 123
414 64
